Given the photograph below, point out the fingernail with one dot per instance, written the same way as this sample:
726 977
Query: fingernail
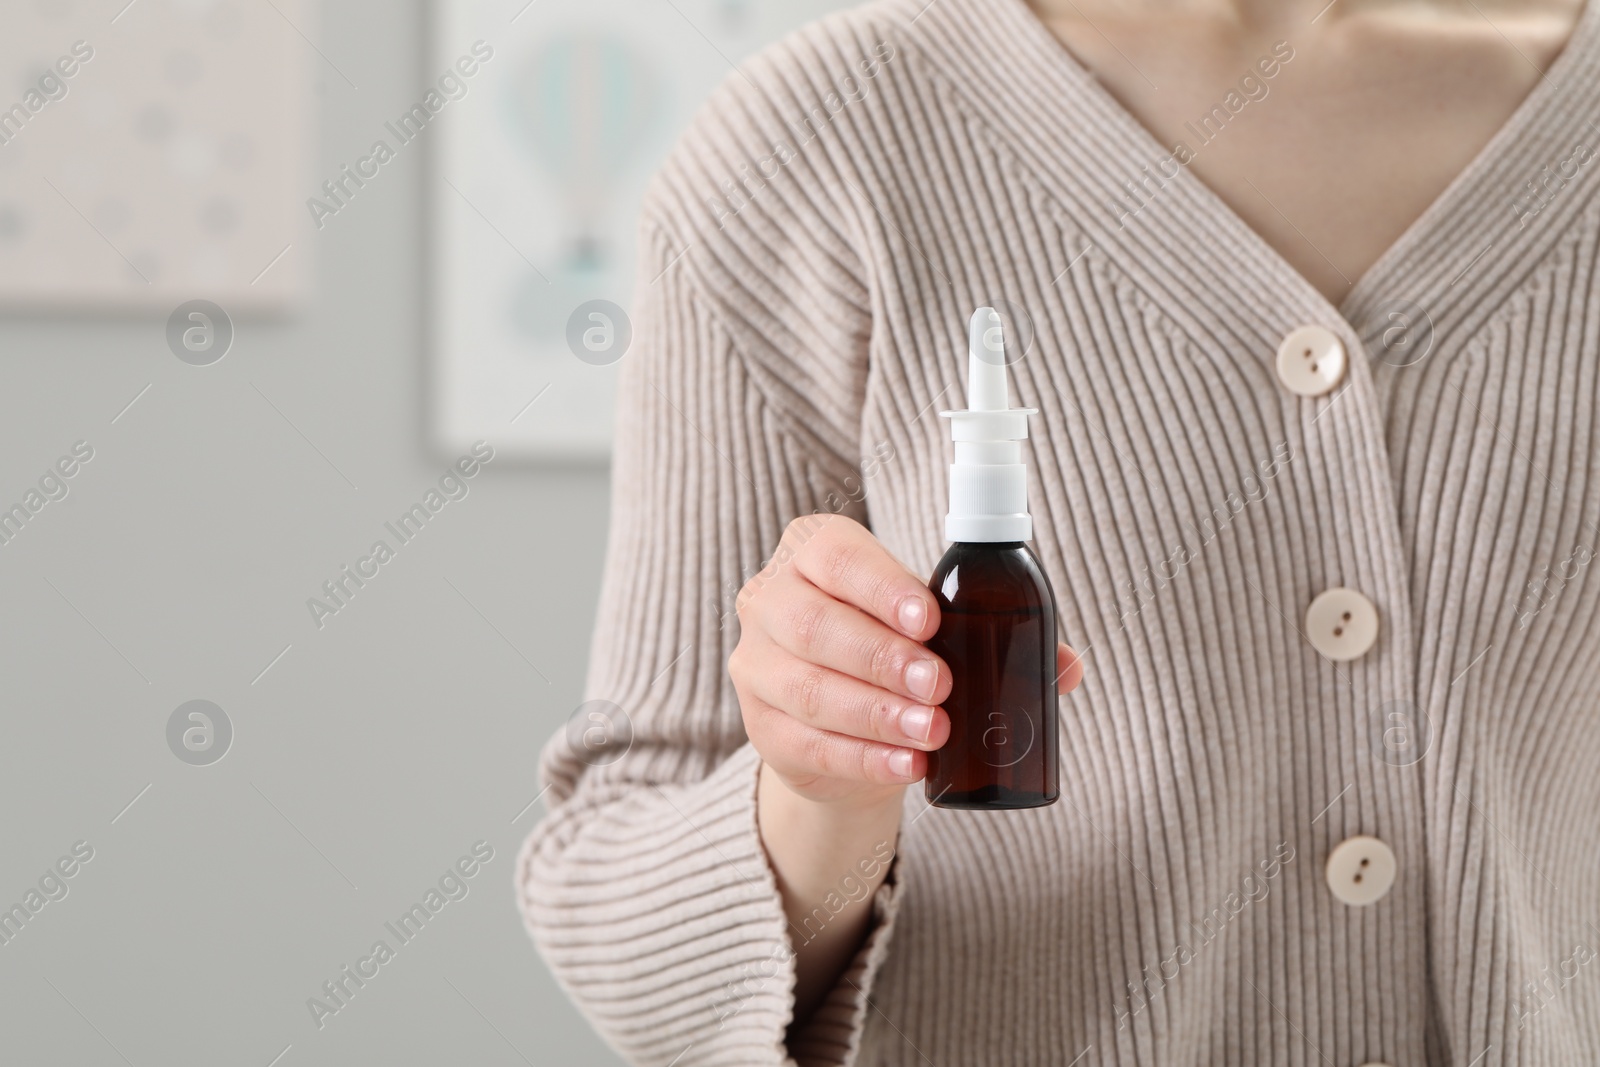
921 677
900 763
916 722
913 615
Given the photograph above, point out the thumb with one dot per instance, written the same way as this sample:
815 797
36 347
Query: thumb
1069 669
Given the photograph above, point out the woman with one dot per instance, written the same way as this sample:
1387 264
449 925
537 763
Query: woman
1315 478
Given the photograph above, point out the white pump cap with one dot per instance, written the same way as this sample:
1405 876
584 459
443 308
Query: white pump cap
988 481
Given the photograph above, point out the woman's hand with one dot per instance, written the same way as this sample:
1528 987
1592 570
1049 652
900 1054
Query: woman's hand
841 700
839 695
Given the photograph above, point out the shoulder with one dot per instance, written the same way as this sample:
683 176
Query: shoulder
756 219
773 149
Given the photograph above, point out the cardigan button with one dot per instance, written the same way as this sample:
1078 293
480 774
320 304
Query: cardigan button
1360 871
1311 361
1342 624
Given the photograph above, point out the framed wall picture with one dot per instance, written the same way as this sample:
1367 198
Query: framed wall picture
154 154
538 167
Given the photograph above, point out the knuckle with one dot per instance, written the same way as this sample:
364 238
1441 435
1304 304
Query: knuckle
805 688
750 592
795 528
840 557
878 585
816 752
866 761
801 530
744 606
880 717
886 659
843 524
758 598
808 622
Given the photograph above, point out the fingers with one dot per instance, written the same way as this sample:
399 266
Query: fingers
837 690
1069 669
843 559
828 700
801 753
820 630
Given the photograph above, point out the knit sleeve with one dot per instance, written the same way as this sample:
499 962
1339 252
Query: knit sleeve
646 886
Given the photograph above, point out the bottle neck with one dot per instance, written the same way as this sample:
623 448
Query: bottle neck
988 529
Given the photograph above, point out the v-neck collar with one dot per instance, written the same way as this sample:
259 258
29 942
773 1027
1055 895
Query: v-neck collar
1008 64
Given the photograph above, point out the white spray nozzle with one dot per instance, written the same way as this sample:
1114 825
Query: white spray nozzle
986 363
988 481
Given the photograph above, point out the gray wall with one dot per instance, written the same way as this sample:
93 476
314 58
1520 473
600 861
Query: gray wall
369 758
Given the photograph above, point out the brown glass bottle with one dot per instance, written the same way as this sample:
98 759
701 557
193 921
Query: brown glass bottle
997 633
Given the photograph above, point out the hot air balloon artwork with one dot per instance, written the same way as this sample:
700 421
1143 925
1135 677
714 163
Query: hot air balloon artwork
586 102
536 205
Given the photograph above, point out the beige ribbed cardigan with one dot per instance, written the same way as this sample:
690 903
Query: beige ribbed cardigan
809 264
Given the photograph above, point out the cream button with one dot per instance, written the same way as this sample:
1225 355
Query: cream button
1342 624
1311 361
1360 871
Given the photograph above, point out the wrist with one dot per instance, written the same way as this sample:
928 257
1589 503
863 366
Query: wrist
873 805
812 845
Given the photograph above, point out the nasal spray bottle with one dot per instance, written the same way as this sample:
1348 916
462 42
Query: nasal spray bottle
997 614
